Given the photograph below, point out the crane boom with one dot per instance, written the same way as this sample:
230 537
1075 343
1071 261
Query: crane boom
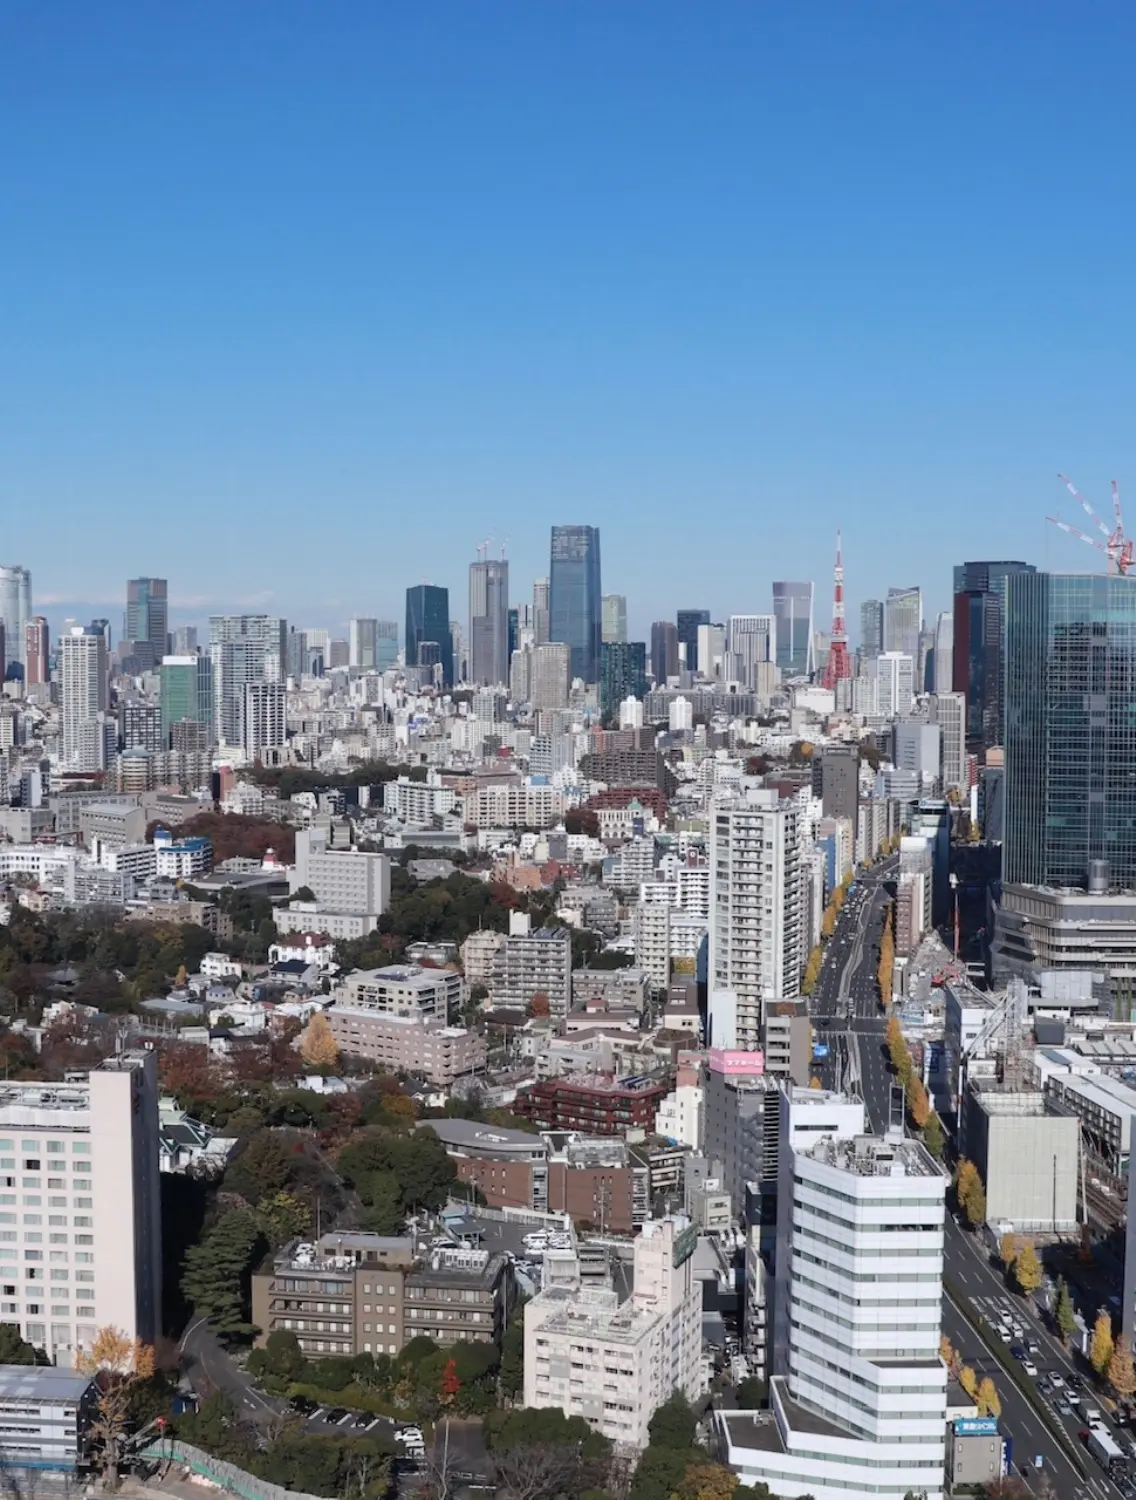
1116 510
1072 530
1084 504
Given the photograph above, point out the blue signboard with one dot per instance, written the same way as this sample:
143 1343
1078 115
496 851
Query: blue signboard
976 1427
820 1049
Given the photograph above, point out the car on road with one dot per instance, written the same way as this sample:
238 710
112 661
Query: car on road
334 1415
363 1419
1064 1409
1029 1367
304 1405
1005 1335
1058 1380
1018 1351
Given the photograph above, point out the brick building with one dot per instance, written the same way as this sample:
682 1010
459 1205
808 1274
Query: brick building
592 1104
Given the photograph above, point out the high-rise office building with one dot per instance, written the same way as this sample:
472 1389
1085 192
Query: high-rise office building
750 640
428 620
942 675
1070 743
183 640
895 688
976 656
623 674
664 651
513 630
687 626
36 651
903 621
84 695
15 612
793 612
489 622
540 612
362 644
757 923
386 645
550 675
871 630
615 618
147 623
574 597
948 710
859 1392
243 649
186 693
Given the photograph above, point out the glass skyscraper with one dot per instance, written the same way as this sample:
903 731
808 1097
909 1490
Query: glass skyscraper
793 611
147 618
428 621
976 654
1070 707
574 597
688 622
623 674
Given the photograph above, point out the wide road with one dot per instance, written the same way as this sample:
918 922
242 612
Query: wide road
846 1013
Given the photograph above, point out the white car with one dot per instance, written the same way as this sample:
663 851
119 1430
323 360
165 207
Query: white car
1029 1367
411 1436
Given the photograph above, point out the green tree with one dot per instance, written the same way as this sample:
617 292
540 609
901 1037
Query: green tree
15 1350
216 1279
933 1137
659 1473
674 1424
383 1196
751 1393
512 1372
282 1217
548 1427
1063 1314
262 1168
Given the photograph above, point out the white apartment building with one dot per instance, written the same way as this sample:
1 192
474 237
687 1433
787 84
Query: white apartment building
418 803
682 1115
84 696
341 880
533 963
757 911
651 923
265 717
402 990
859 1393
80 1220
515 807
680 716
613 1363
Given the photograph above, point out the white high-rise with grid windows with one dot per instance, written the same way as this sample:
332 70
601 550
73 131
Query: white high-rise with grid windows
757 929
858 1397
80 1218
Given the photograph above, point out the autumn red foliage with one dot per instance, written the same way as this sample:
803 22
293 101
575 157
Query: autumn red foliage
235 836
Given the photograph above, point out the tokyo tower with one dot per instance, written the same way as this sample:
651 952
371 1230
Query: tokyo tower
838 666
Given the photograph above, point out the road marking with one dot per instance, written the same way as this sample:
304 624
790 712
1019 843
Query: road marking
189 1330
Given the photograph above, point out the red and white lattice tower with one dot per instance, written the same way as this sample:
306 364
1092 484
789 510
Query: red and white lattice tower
838 665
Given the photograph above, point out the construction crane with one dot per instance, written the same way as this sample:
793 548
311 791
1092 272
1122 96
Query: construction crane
1117 547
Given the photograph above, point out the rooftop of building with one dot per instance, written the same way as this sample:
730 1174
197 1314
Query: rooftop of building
605 1083
410 974
594 1312
1001 1099
43 1383
472 1135
458 1266
874 1156
342 1251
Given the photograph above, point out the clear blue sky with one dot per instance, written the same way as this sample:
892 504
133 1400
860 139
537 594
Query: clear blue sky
300 301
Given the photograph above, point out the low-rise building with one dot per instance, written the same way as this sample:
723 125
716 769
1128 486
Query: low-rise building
46 1415
410 1044
592 1105
458 1294
402 990
615 1363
